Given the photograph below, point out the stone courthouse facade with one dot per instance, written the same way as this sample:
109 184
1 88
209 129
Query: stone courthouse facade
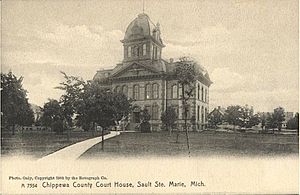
147 78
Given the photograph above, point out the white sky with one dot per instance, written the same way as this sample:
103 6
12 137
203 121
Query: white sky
250 48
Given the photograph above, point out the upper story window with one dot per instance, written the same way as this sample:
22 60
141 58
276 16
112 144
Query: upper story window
198 113
148 91
144 49
154 52
135 51
175 91
158 53
198 92
202 93
155 91
129 52
136 92
205 95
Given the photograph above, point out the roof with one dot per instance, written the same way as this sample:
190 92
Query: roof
158 66
141 27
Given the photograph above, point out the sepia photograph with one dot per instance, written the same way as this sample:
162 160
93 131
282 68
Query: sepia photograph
149 96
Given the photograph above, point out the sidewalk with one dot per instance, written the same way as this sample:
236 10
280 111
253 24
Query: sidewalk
74 151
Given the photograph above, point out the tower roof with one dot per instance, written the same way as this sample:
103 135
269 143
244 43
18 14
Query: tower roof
140 27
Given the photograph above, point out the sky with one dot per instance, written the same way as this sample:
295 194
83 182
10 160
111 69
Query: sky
249 47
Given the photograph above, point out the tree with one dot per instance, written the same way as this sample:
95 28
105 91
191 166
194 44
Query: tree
270 121
101 106
253 120
185 72
73 88
293 123
169 118
14 103
53 116
263 122
279 117
233 115
215 118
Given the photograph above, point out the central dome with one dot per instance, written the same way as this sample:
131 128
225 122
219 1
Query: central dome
140 27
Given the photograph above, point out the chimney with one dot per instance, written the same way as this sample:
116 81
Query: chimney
171 60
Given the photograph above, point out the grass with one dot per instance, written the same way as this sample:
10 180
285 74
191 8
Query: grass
37 144
201 144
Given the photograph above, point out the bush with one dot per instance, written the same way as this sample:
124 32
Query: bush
57 126
145 127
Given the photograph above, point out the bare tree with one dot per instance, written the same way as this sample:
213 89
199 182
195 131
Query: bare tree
186 75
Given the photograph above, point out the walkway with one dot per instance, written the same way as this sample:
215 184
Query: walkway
76 150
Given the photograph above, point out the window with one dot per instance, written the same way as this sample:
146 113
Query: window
176 107
205 95
175 91
148 91
187 112
129 52
148 108
155 112
198 92
198 113
125 90
205 116
202 114
155 91
144 49
202 93
117 89
136 92
154 52
135 51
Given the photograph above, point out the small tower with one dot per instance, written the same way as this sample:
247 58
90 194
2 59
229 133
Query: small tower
142 40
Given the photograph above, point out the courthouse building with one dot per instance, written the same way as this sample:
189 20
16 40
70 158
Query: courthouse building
149 80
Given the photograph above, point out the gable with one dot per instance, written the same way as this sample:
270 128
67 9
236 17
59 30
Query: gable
134 70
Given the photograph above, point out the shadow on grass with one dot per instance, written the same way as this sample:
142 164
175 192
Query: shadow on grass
204 143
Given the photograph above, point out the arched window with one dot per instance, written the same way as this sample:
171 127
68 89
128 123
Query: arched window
117 89
202 114
155 91
198 92
135 51
144 49
148 91
155 112
136 92
154 52
175 91
202 93
198 113
125 90
187 112
129 52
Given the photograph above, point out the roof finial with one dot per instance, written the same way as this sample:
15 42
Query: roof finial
143 6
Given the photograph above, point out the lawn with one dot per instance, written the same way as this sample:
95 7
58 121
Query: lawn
37 144
201 143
